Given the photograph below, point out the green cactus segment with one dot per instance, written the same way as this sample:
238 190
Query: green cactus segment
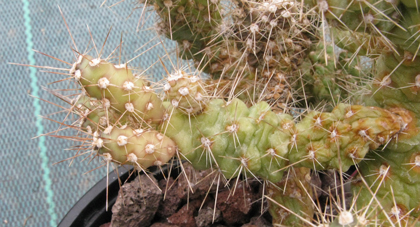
359 43
396 169
229 135
294 194
398 176
388 24
376 24
117 84
186 92
343 137
217 133
331 75
257 141
191 23
137 147
396 87
409 38
374 16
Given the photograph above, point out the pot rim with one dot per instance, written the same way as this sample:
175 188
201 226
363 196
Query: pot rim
90 210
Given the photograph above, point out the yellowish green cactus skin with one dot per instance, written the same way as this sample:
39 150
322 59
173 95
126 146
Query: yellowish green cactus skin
411 3
290 199
331 75
394 177
396 87
227 135
342 137
92 113
186 92
390 176
360 43
233 138
135 146
119 89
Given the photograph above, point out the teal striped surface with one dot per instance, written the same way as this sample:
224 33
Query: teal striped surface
37 112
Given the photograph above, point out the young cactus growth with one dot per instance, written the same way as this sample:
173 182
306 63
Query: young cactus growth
186 92
118 89
135 147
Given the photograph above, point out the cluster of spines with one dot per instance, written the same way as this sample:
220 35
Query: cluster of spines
392 174
366 16
217 133
136 147
118 122
190 23
380 25
185 92
332 75
118 89
289 199
388 32
253 40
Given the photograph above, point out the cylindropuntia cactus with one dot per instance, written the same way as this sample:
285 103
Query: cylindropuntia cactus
280 47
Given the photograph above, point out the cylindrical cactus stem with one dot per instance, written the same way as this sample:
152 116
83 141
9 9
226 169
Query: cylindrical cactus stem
128 95
360 43
396 87
393 173
341 138
232 137
138 147
375 16
394 178
330 74
290 200
102 79
257 142
186 92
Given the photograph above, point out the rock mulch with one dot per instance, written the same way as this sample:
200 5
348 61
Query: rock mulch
142 203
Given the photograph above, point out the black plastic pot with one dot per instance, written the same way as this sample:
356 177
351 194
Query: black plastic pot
90 209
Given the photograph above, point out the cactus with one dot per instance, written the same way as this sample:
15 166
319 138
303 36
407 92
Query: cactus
289 50
234 135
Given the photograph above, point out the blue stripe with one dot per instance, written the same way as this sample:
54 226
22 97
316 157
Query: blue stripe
37 112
